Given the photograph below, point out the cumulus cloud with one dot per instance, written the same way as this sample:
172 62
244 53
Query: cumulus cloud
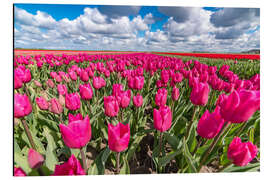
186 29
41 19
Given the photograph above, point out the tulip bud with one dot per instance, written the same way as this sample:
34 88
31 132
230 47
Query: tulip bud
38 84
50 83
61 100
78 131
118 137
22 105
175 93
241 153
98 82
84 76
117 89
124 98
71 167
162 118
17 82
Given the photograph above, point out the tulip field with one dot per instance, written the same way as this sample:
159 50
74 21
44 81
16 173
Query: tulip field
100 113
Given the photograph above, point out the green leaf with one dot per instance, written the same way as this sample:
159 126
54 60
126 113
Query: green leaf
173 140
50 158
22 162
166 159
249 168
125 169
133 146
193 165
93 170
101 160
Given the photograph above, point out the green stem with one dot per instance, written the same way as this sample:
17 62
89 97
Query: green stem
160 142
210 149
242 128
83 160
117 162
192 119
198 145
40 171
28 133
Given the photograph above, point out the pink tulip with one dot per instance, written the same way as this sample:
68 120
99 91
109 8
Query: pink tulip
240 105
162 118
210 124
55 106
117 89
71 167
175 93
17 82
84 76
50 83
58 78
53 74
38 84
35 160
138 100
118 137
62 89
73 75
98 82
22 105
19 172
161 97
72 101
199 94
42 103
138 82
124 98
111 106
23 73
241 153
86 91
78 131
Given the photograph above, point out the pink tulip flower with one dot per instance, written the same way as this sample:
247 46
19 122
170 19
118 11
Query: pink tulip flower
78 131
35 160
199 94
98 82
175 93
210 124
22 105
55 106
111 106
72 101
62 89
42 103
86 91
241 153
161 97
138 100
118 137
162 118
71 167
19 172
240 105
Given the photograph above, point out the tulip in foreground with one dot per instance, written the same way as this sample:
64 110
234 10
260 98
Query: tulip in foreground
22 105
78 131
35 160
241 153
71 167
118 137
210 124
240 105
162 118
19 172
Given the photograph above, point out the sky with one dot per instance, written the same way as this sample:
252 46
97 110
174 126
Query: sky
136 28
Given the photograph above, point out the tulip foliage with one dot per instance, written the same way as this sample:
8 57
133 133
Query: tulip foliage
86 114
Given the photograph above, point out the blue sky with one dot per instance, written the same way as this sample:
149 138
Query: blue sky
138 28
